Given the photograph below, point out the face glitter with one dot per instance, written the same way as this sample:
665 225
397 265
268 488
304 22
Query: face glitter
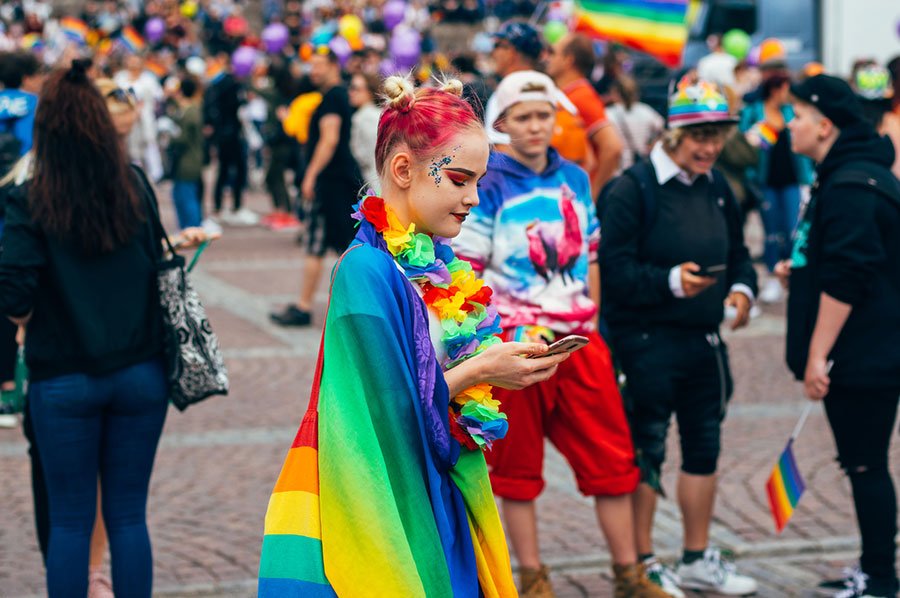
436 166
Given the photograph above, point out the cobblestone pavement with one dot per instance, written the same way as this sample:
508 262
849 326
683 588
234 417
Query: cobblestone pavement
218 461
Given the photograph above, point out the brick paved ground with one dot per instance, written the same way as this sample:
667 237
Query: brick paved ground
218 461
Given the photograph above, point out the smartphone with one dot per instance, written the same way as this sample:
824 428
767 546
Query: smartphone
711 270
567 344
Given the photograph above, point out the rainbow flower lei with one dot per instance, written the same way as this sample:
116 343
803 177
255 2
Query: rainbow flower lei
469 322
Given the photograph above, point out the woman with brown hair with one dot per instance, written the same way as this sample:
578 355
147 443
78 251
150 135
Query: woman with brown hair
79 265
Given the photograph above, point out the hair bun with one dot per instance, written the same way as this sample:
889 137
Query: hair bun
453 86
399 93
78 71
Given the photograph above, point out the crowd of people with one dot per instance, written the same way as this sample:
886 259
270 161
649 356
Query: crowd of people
493 202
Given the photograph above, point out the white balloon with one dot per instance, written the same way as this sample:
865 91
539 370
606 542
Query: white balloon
195 66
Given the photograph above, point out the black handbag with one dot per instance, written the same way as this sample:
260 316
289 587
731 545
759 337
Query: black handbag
195 366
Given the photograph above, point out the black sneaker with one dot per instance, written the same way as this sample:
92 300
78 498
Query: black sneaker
847 575
292 316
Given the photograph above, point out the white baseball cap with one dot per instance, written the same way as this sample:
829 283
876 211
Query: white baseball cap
528 86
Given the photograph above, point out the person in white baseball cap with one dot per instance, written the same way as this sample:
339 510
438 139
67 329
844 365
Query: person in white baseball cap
534 235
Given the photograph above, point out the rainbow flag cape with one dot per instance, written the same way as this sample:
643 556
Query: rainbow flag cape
373 498
75 30
785 487
132 40
657 27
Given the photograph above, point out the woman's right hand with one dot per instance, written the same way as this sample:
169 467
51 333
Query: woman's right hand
507 365
692 283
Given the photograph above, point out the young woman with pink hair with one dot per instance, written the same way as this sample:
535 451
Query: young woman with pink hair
386 484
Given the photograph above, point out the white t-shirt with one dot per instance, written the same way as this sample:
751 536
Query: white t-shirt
638 128
717 67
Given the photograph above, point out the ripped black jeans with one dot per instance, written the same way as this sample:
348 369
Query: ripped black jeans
862 421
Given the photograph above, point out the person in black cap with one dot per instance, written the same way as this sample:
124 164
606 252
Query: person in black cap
517 47
843 322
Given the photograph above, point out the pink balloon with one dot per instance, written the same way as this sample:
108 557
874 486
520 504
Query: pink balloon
394 13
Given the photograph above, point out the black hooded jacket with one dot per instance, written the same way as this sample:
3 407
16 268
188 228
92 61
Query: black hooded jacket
848 245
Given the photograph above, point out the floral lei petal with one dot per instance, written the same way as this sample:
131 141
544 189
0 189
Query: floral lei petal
470 323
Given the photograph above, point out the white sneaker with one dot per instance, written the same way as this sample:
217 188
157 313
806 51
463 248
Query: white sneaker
663 576
712 574
8 421
211 227
773 292
242 217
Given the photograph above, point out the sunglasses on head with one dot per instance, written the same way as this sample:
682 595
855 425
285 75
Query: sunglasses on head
125 96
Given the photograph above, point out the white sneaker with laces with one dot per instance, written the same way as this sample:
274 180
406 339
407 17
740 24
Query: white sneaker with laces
211 227
242 217
855 585
712 574
663 576
773 292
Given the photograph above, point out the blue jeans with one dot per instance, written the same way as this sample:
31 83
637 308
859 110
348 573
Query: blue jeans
187 203
108 426
780 211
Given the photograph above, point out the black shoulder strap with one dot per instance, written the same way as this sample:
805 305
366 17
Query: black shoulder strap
644 175
886 186
154 222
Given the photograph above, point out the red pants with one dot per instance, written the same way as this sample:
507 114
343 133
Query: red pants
580 410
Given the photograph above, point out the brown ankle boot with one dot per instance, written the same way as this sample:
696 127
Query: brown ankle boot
632 582
535 583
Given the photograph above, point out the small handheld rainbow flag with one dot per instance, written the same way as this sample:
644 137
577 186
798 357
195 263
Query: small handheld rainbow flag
785 487
75 30
768 136
32 41
657 27
132 40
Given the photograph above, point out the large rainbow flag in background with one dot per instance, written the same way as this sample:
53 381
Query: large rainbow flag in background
657 27
785 487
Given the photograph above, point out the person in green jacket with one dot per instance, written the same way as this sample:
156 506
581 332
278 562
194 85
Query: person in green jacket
187 149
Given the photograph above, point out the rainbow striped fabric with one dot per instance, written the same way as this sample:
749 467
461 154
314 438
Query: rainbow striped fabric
132 40
657 27
32 41
785 487
75 30
368 502
768 135
699 103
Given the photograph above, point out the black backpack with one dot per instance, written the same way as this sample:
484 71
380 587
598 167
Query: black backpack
644 176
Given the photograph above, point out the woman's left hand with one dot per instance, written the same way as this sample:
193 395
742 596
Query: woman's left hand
816 381
192 237
742 305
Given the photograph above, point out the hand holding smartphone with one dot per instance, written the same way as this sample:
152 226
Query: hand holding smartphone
711 270
567 344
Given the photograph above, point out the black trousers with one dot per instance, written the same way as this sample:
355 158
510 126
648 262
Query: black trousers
862 421
232 157
279 161
680 372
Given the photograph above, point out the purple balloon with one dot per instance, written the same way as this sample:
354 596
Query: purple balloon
243 60
154 30
275 37
405 47
341 48
388 68
394 13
